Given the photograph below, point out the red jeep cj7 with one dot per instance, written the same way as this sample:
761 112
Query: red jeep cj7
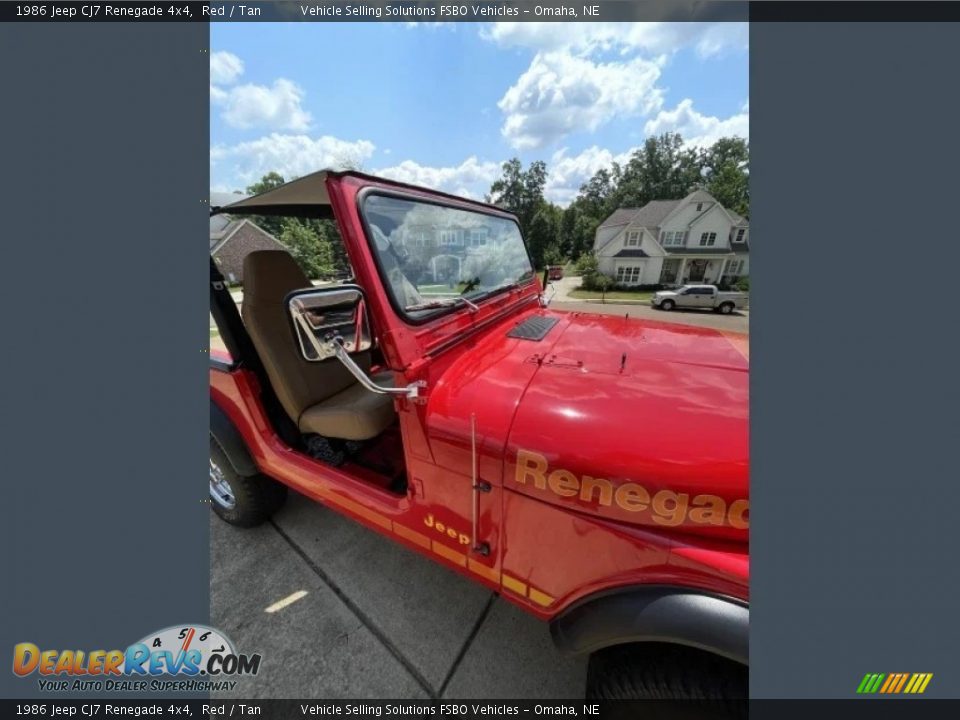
591 469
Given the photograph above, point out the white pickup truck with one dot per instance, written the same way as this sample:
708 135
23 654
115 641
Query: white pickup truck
705 297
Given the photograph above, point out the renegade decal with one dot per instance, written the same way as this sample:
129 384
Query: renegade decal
667 508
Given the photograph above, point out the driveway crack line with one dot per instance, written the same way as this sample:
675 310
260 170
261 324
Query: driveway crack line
362 617
467 643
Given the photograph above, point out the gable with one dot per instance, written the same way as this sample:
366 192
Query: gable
715 216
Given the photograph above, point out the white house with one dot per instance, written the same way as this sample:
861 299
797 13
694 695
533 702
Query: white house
672 242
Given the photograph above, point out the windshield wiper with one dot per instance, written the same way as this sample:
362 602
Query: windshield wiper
445 302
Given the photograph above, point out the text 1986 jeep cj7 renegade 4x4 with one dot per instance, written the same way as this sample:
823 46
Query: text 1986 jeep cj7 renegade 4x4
591 469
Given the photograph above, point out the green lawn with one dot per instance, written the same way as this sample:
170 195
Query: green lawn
640 297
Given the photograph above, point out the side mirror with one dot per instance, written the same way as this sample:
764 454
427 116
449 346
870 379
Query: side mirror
322 315
332 322
544 300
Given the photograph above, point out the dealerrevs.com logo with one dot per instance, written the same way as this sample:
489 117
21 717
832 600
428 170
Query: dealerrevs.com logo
180 658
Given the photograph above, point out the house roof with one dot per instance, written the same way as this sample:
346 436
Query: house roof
650 215
219 225
623 216
220 240
737 220
219 199
631 253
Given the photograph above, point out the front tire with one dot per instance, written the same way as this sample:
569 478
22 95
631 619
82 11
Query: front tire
699 684
667 305
244 501
725 308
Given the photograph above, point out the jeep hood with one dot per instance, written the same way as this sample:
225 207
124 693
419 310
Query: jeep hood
635 421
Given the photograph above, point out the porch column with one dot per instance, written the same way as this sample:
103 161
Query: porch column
683 266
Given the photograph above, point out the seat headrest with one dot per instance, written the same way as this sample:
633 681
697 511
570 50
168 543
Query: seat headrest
270 275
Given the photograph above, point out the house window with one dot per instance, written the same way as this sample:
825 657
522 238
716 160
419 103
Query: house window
448 237
734 267
628 275
708 239
633 238
673 238
478 238
699 207
740 234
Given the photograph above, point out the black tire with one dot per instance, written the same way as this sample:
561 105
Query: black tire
725 308
667 305
254 498
695 683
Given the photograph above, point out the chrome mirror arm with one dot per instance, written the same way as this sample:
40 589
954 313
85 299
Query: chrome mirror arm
545 301
411 391
333 345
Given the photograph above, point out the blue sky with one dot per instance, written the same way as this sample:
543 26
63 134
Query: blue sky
443 105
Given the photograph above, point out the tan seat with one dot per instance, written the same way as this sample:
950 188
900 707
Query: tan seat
321 397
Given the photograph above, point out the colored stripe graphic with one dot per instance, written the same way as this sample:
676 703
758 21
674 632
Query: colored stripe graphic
894 683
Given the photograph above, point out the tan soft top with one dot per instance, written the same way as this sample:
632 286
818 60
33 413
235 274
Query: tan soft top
303 196
307 197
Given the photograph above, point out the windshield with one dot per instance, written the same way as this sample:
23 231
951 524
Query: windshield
436 257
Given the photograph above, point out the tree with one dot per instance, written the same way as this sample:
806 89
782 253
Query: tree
543 234
268 182
727 173
584 233
520 191
309 248
662 169
273 225
595 194
315 244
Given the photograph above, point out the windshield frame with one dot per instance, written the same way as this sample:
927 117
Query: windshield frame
464 206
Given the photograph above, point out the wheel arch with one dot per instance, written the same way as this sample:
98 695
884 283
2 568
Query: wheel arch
231 442
680 616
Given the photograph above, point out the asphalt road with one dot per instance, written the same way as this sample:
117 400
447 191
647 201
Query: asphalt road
377 620
737 321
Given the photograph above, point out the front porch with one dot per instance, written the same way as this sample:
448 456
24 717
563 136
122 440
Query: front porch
683 270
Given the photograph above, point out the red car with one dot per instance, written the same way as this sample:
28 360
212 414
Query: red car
591 469
555 272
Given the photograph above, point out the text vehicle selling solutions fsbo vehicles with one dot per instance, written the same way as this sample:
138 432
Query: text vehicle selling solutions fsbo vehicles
592 469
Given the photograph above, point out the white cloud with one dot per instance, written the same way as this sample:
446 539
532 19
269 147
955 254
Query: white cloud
651 37
278 106
696 128
568 172
225 67
561 93
289 155
217 95
471 178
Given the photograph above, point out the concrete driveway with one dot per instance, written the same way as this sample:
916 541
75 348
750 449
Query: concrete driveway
377 620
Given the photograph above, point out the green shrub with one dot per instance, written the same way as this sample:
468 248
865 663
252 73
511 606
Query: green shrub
587 265
743 284
649 287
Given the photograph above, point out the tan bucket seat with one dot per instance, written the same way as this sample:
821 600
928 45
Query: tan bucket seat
321 397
